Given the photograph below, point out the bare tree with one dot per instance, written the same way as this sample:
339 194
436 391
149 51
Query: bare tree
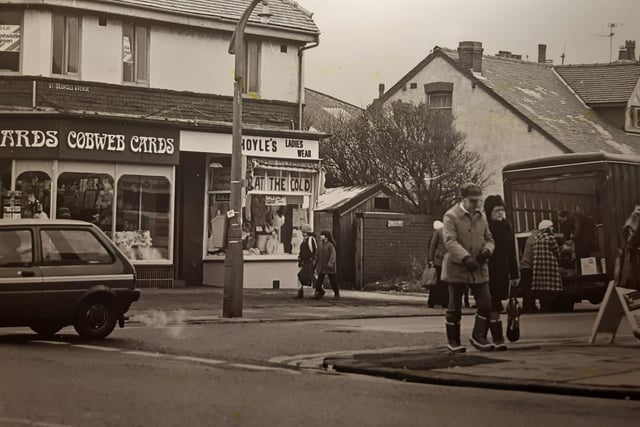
414 150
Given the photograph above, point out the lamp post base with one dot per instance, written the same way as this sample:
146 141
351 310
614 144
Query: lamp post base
233 281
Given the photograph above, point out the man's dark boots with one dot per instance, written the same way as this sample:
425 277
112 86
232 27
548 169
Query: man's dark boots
496 333
300 293
453 338
479 335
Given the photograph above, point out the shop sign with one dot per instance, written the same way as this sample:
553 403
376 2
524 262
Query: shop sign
284 184
274 200
69 87
9 38
395 223
283 148
90 140
221 179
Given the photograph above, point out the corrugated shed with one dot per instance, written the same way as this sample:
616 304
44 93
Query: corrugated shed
602 83
338 197
286 13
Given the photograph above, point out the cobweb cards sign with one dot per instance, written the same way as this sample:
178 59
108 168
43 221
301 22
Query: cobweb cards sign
618 303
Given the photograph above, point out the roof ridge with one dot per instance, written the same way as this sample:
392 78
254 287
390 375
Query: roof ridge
501 58
600 64
334 98
296 5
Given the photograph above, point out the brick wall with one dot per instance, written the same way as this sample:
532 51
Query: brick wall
141 102
387 250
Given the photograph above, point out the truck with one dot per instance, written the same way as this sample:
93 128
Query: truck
603 187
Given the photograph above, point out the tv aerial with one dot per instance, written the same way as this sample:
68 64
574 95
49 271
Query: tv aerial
611 26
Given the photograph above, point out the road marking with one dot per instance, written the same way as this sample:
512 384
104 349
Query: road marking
26 422
261 368
51 342
199 360
144 353
95 347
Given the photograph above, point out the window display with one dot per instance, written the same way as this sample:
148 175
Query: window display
143 222
86 197
33 190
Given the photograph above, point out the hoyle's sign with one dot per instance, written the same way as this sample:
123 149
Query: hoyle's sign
284 148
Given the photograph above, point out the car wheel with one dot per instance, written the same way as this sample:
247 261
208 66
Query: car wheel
46 328
96 318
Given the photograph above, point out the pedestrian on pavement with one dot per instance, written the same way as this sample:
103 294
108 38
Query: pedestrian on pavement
439 293
469 246
546 260
526 275
629 260
503 265
306 259
326 265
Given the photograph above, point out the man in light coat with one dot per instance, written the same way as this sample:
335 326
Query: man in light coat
469 246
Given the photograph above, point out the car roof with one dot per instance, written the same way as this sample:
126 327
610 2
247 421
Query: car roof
32 222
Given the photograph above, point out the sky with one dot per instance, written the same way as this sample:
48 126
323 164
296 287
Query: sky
367 42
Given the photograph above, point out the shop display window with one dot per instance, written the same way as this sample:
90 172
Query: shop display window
32 198
5 187
86 197
143 217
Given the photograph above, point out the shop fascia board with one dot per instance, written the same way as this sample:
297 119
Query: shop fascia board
172 19
199 126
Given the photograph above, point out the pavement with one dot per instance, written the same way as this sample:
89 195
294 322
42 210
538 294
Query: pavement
558 366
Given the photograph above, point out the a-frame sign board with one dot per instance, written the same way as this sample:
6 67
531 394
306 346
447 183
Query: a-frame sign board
617 303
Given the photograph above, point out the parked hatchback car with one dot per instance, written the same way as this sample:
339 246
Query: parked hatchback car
55 273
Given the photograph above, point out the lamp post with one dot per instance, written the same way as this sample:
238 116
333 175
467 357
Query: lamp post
234 262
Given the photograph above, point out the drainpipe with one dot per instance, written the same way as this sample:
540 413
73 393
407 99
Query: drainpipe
300 83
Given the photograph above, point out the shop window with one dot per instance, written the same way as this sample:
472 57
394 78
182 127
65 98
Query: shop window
135 53
5 187
10 40
143 217
72 247
32 198
252 77
219 195
66 44
86 197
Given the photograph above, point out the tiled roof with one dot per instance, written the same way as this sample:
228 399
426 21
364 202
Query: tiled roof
537 93
602 83
341 198
321 109
286 13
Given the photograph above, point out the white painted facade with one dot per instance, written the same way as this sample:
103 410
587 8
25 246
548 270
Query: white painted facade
492 130
180 58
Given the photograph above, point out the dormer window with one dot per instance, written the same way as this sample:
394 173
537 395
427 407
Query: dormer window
10 40
439 95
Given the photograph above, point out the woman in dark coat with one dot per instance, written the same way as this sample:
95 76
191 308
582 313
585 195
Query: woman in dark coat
326 265
503 266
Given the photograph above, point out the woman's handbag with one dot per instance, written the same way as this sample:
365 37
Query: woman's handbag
429 276
513 318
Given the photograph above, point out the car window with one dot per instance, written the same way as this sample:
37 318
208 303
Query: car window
72 247
15 248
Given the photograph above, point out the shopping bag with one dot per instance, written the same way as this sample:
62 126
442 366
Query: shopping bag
513 319
429 276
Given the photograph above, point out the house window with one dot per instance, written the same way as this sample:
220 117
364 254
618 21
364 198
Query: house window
66 45
413 85
135 53
381 203
439 95
635 117
252 78
10 40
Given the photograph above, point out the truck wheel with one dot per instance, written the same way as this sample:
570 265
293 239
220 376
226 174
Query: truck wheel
46 328
96 318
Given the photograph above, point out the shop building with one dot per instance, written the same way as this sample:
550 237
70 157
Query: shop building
119 113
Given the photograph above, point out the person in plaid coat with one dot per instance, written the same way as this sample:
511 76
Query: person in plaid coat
546 260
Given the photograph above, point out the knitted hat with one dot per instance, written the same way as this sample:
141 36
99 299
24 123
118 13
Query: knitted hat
437 225
470 189
544 224
306 228
491 202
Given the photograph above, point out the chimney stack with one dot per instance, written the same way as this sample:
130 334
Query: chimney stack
623 54
630 45
470 55
380 90
542 53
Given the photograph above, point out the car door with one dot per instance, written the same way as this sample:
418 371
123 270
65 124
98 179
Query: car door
73 261
20 278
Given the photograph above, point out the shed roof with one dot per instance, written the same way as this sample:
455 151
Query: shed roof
600 84
341 199
571 159
286 13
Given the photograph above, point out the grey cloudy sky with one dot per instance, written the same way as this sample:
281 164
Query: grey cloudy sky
366 42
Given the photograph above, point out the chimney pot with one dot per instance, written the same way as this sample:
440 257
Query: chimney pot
542 53
630 45
380 90
470 55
